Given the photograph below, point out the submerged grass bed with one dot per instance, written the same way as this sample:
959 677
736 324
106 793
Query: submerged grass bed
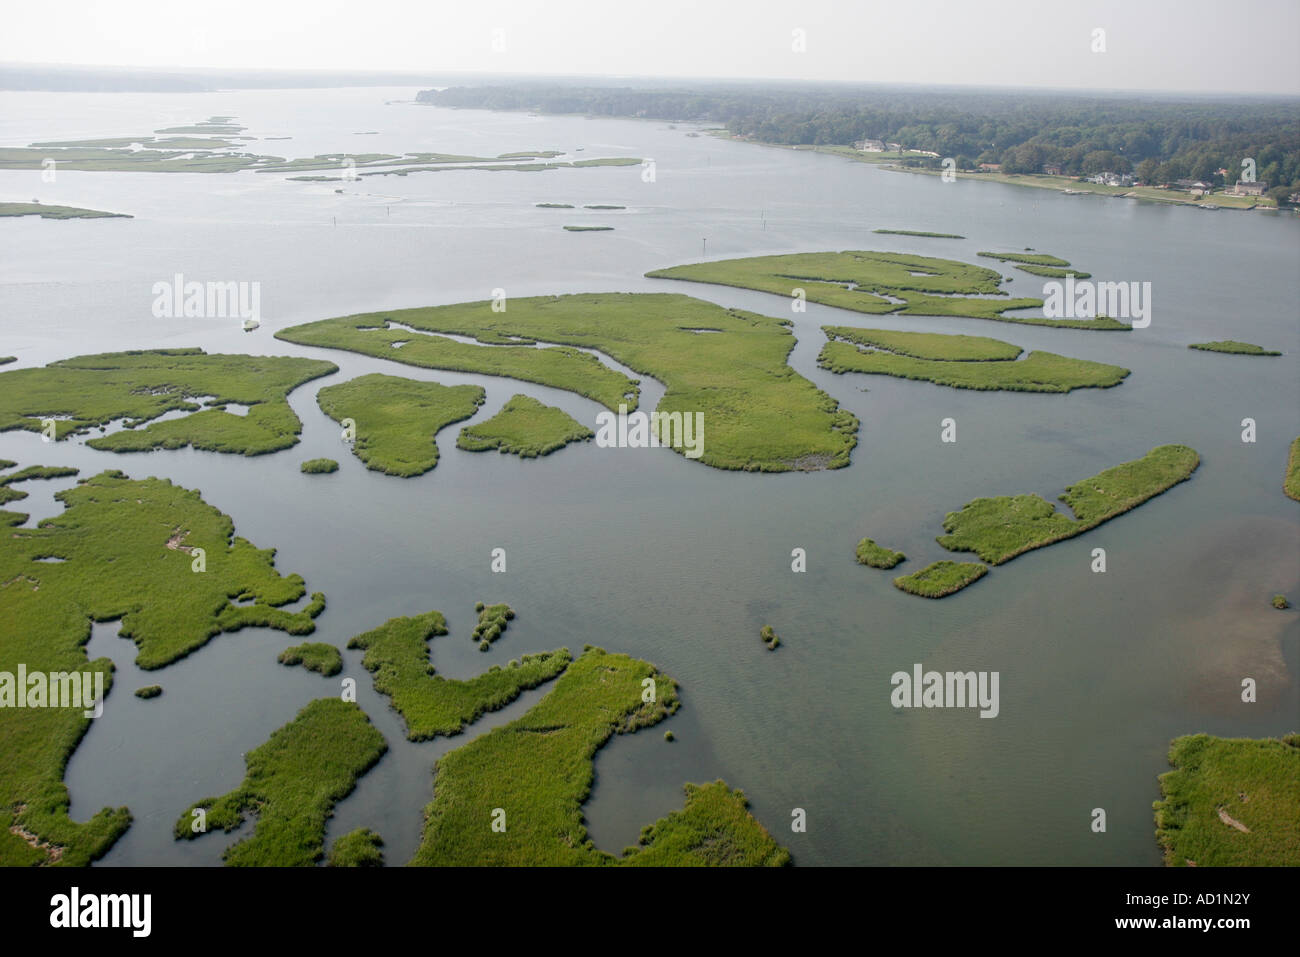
588 229
965 363
316 656
524 427
881 282
396 419
292 784
140 386
869 553
397 655
758 413
127 556
999 529
941 578
1232 347
1230 802
531 777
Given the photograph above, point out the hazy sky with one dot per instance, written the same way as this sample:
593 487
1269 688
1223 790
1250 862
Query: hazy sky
1244 46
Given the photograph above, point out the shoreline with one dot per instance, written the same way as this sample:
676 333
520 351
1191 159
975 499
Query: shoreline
1062 184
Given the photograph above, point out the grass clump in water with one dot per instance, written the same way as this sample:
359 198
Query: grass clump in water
292 783
1031 259
941 578
524 427
999 529
1232 347
148 691
56 212
917 232
869 553
397 419
492 621
316 656
319 466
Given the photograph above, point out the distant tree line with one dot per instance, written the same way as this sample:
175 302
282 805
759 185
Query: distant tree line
1159 139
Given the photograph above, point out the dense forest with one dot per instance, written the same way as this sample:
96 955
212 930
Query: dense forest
1160 139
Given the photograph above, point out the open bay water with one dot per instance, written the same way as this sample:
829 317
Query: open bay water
645 552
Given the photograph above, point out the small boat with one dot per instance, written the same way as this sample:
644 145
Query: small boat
250 325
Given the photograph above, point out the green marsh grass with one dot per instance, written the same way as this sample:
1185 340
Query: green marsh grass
498 355
880 282
1230 802
869 553
917 232
56 212
975 363
316 656
1029 259
397 656
941 578
524 427
538 769
292 783
758 413
1232 347
998 529
1291 484
113 536
359 848
397 418
140 386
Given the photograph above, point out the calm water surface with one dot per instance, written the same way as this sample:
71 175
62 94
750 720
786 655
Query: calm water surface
641 551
